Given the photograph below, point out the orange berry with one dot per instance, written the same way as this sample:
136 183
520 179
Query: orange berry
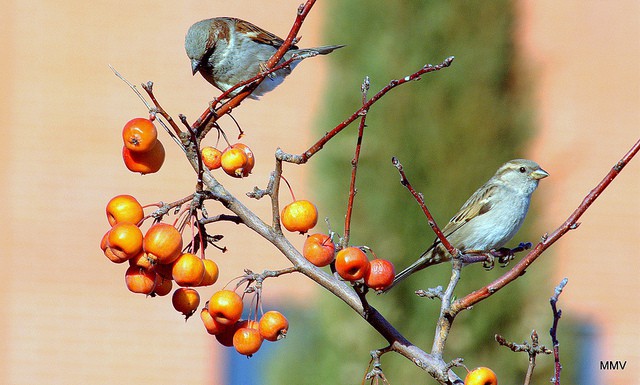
380 275
210 273
124 241
108 252
213 327
247 341
139 135
163 286
273 326
124 208
188 270
163 243
163 270
142 260
352 263
225 337
144 162
233 162
251 160
211 157
300 215
139 280
186 301
319 249
225 306
481 376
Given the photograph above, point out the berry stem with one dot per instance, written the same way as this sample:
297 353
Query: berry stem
289 186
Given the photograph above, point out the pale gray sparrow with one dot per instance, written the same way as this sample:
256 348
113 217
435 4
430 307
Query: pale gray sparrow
490 217
226 51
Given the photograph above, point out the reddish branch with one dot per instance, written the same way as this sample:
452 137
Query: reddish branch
148 87
305 156
153 111
420 199
258 77
354 167
570 224
393 84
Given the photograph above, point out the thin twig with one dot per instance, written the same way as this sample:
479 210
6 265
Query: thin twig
446 318
532 349
195 142
376 372
219 218
259 76
393 84
133 88
354 166
257 279
305 156
420 199
152 110
275 199
431 293
205 117
148 87
164 208
554 330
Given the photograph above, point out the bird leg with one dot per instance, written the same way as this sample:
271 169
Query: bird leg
475 256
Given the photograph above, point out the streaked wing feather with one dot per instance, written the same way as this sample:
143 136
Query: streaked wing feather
258 34
478 204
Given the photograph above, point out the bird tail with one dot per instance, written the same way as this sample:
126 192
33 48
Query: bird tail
310 52
431 256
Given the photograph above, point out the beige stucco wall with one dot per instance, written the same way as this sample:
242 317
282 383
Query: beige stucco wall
585 59
67 317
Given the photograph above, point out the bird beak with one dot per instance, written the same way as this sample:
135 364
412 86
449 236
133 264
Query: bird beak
195 66
539 174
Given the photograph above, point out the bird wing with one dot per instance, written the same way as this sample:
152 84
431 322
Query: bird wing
258 34
478 204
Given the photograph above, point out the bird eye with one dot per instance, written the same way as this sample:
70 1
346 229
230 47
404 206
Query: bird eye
523 170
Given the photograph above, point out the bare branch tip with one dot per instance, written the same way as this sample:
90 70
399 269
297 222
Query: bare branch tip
366 84
396 162
559 288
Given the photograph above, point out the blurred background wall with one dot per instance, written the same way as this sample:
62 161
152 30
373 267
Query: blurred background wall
67 316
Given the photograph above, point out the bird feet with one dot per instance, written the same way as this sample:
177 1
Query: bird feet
263 68
504 255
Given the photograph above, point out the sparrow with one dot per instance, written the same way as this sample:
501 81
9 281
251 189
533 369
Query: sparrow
226 51
489 218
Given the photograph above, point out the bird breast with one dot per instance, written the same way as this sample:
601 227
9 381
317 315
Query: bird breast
497 226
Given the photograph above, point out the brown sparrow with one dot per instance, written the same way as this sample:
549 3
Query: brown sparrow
226 51
489 218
